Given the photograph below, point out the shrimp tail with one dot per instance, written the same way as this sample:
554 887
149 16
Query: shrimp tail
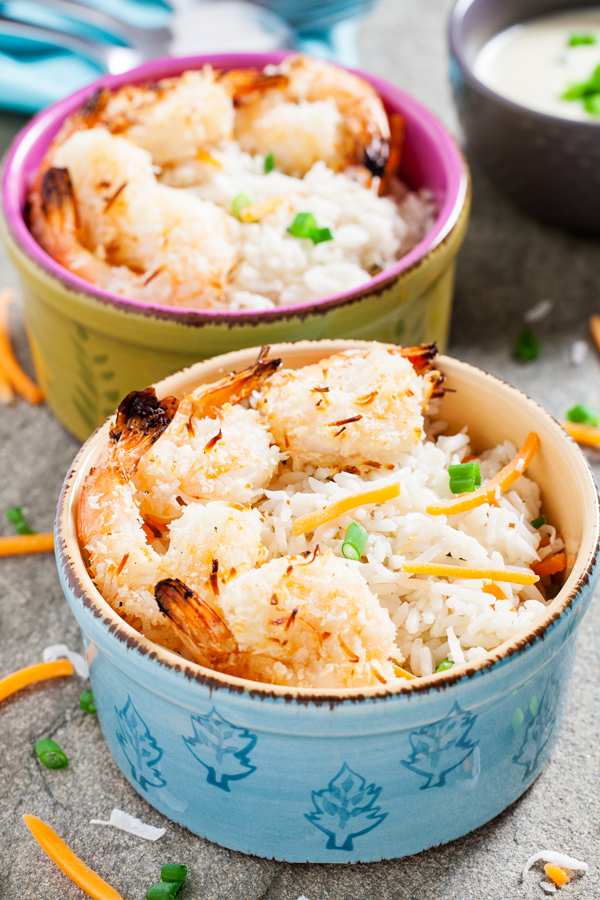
141 419
58 200
376 155
421 359
200 628
234 387
206 635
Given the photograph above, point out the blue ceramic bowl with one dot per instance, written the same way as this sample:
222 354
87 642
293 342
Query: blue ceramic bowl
349 775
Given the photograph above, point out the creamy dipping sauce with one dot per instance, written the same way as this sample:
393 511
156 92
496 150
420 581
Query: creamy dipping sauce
536 62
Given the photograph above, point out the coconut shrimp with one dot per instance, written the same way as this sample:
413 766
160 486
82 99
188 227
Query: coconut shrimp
128 554
297 621
100 212
213 448
355 408
175 119
308 110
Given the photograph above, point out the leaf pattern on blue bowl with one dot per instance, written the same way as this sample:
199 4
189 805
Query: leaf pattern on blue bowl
222 748
544 715
345 809
441 747
140 748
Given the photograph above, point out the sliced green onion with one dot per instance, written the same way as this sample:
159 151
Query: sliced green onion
305 226
444 665
173 872
50 754
302 225
537 523
355 541
576 40
581 414
16 518
527 347
464 478
269 162
318 235
591 104
87 702
164 891
239 203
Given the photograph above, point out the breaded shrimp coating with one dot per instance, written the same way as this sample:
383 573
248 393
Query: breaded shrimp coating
353 408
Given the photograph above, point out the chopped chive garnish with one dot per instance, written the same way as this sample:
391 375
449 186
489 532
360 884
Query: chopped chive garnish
16 518
305 226
318 235
164 890
87 702
583 415
50 754
355 541
269 162
576 40
173 872
591 104
445 664
537 523
527 347
302 225
464 478
239 203
588 92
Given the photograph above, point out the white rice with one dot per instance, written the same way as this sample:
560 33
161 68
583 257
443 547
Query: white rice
370 233
435 618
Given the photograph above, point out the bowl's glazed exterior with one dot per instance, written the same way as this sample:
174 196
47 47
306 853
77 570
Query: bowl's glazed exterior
91 347
351 775
547 165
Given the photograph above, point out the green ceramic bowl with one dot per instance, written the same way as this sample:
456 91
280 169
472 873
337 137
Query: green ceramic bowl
90 347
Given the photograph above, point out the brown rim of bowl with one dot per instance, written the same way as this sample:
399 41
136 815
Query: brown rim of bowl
84 589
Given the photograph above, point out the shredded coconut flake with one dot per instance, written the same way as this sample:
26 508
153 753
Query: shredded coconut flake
539 311
548 887
124 822
559 859
579 350
61 651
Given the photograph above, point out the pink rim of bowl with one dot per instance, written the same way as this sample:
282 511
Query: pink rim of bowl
431 159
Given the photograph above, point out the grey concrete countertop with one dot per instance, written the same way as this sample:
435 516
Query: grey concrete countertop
508 264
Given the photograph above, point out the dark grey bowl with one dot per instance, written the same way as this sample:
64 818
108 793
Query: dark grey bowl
548 166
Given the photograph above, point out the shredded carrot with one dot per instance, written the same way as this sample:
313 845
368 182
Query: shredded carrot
513 576
595 329
256 211
7 395
11 370
487 493
558 874
495 591
402 673
27 543
312 520
468 458
583 434
73 867
203 156
22 677
552 564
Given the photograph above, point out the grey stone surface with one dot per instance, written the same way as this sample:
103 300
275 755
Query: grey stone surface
507 265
